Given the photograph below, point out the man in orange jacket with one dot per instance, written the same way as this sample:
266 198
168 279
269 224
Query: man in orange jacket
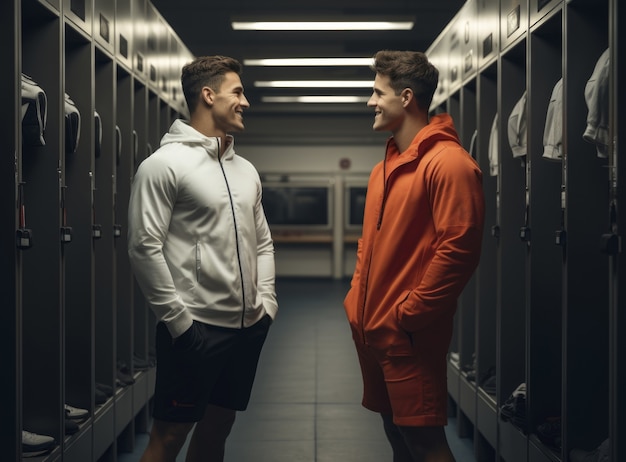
422 233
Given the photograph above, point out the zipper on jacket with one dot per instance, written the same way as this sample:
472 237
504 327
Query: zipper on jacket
198 261
371 255
367 280
232 209
382 206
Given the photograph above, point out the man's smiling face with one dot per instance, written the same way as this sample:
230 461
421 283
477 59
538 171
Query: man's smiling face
229 103
388 109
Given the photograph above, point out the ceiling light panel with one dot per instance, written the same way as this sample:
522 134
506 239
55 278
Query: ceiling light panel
311 62
314 83
315 99
322 25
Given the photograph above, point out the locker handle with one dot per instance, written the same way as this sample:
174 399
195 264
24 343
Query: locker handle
66 234
560 237
23 238
524 233
611 244
96 231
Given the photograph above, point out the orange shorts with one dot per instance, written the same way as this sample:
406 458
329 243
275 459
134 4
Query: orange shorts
409 383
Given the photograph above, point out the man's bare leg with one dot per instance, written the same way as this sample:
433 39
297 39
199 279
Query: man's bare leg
400 450
427 444
166 440
208 440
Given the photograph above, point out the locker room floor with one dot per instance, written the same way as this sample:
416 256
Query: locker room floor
305 405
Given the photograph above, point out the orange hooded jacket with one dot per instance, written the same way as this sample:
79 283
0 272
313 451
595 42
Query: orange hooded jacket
421 240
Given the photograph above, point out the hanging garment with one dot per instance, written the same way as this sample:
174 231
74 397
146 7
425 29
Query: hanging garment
118 145
553 131
98 133
517 127
472 146
72 125
597 99
493 147
34 112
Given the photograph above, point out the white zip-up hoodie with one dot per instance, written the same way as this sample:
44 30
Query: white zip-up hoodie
198 240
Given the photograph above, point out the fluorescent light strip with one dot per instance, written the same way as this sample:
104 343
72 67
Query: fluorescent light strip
323 25
315 99
309 62
315 84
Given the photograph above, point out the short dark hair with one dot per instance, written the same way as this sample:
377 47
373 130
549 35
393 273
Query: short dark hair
206 71
408 69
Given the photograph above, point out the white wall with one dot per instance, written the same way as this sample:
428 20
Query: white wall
340 164
313 159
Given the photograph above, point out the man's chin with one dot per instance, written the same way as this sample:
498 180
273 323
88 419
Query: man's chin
378 124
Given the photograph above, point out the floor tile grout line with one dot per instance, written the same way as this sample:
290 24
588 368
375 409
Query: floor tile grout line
316 395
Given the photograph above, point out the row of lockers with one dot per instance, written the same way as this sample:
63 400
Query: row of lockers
534 360
131 31
96 84
476 36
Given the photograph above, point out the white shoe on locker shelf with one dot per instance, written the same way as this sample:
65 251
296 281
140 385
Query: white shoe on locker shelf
75 413
34 444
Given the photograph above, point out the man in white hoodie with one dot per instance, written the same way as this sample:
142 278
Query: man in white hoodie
201 250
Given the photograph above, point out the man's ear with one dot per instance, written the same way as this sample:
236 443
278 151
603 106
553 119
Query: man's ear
407 96
207 95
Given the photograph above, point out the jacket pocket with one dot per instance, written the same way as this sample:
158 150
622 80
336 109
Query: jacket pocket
402 344
187 340
401 341
387 335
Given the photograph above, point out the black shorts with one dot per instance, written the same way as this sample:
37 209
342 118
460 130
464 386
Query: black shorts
206 365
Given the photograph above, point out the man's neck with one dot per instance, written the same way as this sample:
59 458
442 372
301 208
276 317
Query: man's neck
405 135
205 126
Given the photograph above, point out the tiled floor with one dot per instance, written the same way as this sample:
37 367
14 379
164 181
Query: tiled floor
305 406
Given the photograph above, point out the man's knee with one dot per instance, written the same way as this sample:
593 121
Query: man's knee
217 422
391 429
425 440
170 435
432 435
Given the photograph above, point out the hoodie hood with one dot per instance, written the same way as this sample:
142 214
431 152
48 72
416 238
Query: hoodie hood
439 128
182 132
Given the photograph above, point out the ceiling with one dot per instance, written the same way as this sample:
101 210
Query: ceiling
205 28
